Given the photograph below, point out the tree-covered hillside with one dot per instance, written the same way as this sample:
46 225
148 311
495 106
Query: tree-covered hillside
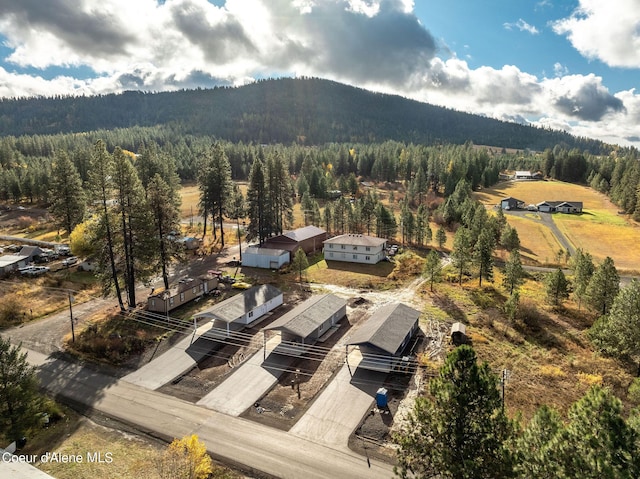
306 111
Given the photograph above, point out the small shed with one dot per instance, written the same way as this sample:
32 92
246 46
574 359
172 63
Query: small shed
458 333
310 320
184 291
235 313
384 337
256 257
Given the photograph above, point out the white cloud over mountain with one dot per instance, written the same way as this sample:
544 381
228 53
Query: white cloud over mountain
376 44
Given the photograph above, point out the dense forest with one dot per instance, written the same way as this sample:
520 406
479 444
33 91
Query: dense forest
303 111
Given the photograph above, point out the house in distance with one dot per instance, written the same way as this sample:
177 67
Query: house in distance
560 206
355 248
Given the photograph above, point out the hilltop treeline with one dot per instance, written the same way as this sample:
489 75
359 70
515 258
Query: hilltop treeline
25 163
305 111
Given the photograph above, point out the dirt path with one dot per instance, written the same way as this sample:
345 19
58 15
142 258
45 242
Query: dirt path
404 295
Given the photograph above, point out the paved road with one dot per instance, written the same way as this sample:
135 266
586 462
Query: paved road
248 383
181 358
233 440
46 334
547 220
337 412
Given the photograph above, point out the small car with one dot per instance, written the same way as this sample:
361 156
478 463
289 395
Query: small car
71 260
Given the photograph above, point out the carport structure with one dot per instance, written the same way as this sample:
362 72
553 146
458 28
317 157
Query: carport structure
235 313
307 323
384 337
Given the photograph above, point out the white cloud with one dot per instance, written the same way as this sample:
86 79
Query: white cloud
607 30
522 26
375 44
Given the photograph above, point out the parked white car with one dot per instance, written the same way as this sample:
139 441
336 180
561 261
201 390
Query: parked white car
71 260
37 270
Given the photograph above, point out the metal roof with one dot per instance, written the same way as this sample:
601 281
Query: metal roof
9 259
264 251
305 233
458 328
560 203
387 328
356 240
305 318
233 308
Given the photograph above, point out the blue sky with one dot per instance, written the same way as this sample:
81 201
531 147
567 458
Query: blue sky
565 64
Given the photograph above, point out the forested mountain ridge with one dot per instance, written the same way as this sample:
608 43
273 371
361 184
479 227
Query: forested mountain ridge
307 111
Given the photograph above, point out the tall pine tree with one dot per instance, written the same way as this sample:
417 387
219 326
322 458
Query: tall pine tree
68 200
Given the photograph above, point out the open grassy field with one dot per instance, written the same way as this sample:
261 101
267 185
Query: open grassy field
598 230
539 245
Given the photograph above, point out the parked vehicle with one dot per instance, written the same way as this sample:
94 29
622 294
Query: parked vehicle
26 269
37 270
63 250
71 260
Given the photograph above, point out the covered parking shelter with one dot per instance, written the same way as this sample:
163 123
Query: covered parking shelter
237 312
384 337
307 323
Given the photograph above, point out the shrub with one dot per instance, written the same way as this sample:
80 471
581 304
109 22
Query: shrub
12 311
25 222
634 391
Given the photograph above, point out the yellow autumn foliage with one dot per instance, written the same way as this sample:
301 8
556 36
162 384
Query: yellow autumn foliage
186 458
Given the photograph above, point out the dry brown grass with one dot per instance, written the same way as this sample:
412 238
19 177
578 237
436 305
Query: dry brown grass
599 230
603 239
384 275
546 350
533 192
112 337
32 298
133 456
538 244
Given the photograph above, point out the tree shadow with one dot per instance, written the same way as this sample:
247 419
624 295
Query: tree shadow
80 385
382 269
450 307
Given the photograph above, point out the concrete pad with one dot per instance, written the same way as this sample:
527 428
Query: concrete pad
180 359
248 383
337 412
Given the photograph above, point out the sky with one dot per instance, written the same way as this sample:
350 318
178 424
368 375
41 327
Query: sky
572 65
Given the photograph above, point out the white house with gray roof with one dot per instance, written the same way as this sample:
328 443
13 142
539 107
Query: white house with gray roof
239 311
355 248
385 336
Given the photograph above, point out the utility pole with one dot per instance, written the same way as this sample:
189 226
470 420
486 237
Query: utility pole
505 376
73 333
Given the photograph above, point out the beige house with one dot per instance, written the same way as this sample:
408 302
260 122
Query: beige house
355 249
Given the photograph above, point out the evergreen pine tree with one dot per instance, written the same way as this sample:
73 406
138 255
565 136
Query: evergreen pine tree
67 196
